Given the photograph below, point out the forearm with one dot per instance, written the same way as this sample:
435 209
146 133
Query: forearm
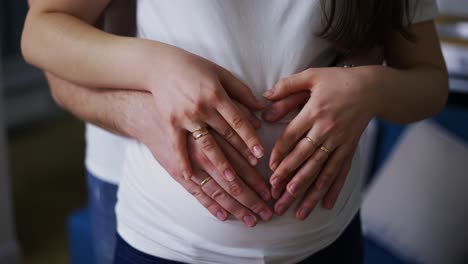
73 49
406 95
118 111
414 86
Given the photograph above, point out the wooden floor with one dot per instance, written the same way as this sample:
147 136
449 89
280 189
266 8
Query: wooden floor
46 166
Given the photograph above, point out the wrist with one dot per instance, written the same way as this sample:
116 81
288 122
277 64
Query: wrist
136 56
136 115
373 91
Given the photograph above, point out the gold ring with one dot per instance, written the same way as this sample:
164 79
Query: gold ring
325 149
201 132
207 179
312 141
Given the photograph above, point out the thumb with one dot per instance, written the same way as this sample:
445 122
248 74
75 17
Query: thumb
279 109
298 82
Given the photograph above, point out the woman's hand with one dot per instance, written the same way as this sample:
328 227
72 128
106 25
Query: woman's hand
192 93
318 145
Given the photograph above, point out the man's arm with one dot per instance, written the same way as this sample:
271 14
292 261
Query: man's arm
113 110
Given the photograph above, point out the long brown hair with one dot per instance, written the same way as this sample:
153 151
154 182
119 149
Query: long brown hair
355 26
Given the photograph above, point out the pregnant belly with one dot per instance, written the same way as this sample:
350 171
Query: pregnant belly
159 205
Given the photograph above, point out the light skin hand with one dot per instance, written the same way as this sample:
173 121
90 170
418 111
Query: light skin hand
278 109
335 115
342 102
244 206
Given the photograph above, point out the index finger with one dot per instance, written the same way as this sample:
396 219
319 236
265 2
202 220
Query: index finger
242 126
248 173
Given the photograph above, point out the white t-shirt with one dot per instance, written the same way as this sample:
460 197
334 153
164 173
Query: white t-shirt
260 42
105 154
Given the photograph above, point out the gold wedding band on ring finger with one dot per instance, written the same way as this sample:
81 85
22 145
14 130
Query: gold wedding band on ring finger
207 179
199 133
324 149
314 143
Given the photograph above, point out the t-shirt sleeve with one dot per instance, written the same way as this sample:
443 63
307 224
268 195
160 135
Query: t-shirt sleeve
422 10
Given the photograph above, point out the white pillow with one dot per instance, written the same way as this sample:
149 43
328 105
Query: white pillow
418 204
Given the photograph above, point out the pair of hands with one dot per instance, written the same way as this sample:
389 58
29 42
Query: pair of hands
191 92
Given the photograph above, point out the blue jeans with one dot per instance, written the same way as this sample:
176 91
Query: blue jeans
102 197
348 248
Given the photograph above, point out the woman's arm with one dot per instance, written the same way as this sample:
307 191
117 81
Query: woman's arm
58 37
414 86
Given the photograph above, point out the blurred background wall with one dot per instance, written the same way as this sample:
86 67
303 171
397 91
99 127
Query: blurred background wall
45 154
9 249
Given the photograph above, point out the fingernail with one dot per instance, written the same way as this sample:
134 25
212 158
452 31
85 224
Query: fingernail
280 209
274 165
270 115
186 175
220 215
266 196
265 215
275 181
327 206
258 151
249 220
252 160
229 175
269 93
303 213
292 188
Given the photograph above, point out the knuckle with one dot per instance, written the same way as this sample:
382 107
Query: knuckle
330 126
290 135
202 159
172 119
197 193
284 83
238 121
228 133
207 143
218 195
284 171
197 108
214 94
222 164
234 189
